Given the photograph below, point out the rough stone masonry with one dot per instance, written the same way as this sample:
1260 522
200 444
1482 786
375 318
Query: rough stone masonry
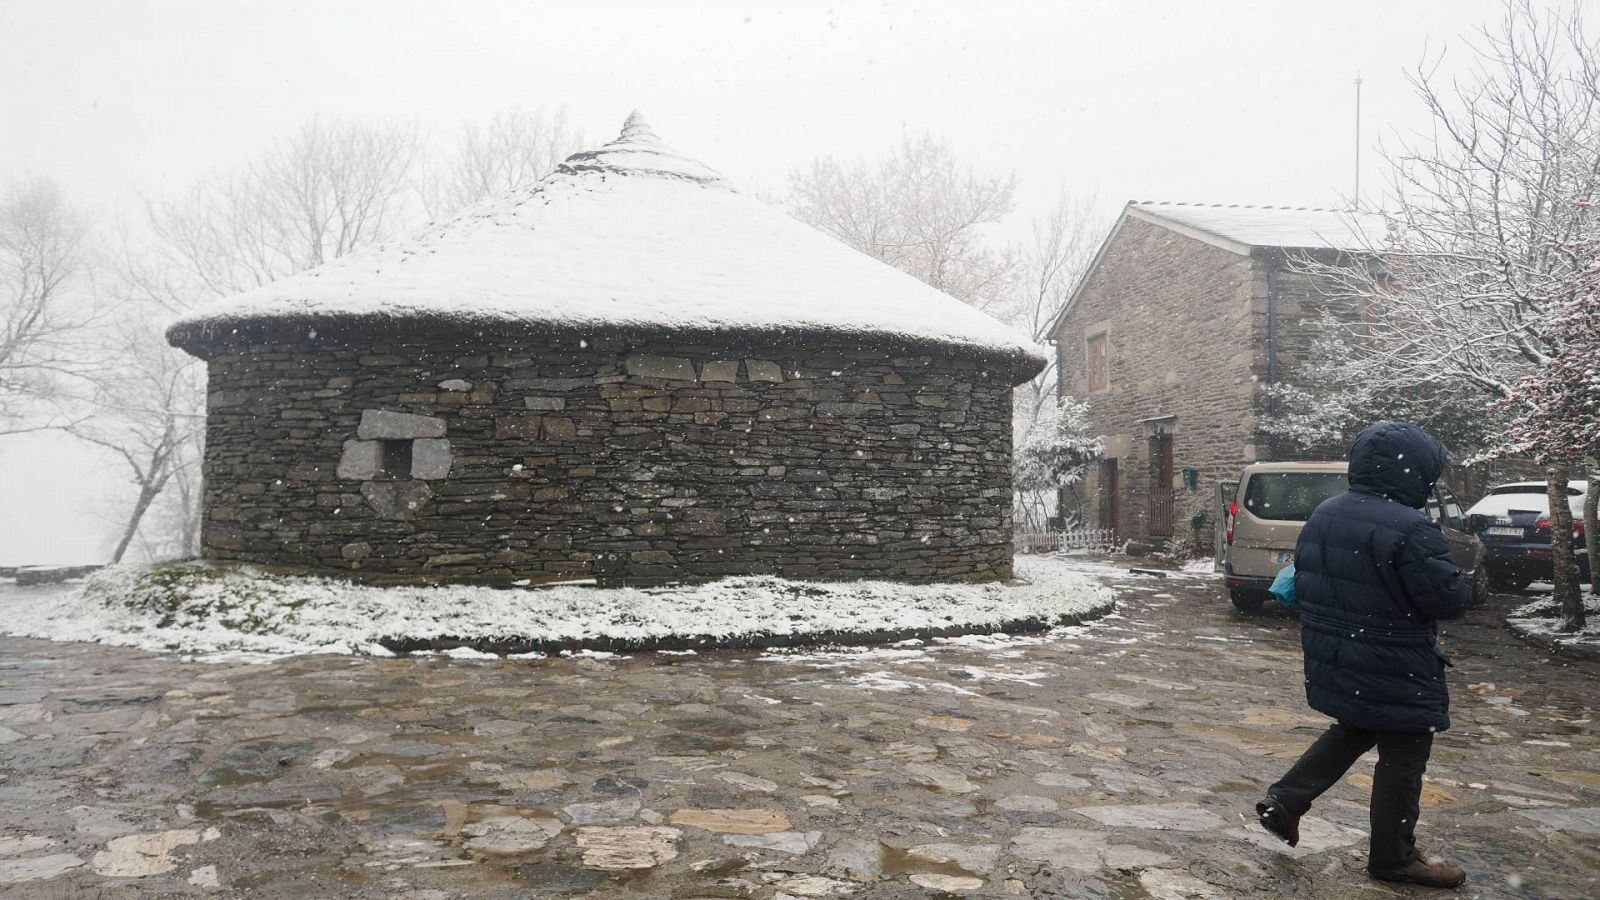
424 458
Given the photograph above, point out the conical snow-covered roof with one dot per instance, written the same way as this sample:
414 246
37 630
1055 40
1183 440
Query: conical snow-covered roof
630 236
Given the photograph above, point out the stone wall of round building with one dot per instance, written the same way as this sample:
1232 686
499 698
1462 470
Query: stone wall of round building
626 460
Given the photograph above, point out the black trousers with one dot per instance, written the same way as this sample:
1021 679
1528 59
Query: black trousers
1396 784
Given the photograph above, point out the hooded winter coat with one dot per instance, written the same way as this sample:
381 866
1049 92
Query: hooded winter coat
1372 576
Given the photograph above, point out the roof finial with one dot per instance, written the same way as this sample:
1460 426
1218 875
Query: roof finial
636 129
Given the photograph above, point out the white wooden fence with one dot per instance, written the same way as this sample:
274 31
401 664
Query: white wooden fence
1073 537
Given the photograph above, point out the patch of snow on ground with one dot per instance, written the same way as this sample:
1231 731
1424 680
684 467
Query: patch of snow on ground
1541 620
895 683
978 673
839 657
245 612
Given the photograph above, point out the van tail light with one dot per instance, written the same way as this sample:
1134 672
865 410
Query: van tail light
1233 513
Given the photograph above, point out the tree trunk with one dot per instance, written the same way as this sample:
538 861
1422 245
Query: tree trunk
1591 524
1569 594
147 495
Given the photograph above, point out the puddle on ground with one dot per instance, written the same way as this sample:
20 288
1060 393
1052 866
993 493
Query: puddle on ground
1127 886
207 811
894 861
224 778
420 765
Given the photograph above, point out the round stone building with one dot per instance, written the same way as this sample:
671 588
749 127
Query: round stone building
628 372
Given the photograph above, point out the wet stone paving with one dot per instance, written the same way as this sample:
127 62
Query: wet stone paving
1116 760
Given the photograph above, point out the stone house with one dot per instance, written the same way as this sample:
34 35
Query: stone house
1185 314
629 372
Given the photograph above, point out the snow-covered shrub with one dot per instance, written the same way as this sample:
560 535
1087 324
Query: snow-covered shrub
1055 453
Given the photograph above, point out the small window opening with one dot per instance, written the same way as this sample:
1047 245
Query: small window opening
1096 362
396 459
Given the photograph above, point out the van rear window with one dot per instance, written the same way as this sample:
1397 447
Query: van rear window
1291 496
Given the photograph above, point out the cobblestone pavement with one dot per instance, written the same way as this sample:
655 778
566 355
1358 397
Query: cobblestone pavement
1115 760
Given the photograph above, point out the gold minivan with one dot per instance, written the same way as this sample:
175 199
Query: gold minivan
1274 500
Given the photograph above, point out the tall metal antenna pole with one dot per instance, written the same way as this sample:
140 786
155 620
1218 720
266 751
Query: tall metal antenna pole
1358 143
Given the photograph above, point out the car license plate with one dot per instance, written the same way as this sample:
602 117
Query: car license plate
1283 556
1507 532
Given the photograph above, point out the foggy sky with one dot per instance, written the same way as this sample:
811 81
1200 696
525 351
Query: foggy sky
1200 100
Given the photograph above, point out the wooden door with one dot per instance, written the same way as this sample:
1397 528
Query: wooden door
1159 513
1110 496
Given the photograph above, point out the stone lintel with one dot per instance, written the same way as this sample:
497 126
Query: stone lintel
383 424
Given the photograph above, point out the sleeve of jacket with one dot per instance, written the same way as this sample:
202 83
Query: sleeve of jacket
1434 585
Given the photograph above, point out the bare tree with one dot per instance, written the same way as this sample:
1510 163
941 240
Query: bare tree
926 212
1057 254
42 254
330 188
514 149
1492 219
147 409
920 209
1060 248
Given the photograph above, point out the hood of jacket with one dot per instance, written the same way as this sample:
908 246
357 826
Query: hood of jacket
1397 460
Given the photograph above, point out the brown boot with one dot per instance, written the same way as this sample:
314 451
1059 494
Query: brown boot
1427 873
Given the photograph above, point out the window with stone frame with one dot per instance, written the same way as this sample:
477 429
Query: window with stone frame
1096 362
394 459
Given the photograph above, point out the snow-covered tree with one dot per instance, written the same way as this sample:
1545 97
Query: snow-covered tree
1322 415
1058 251
1054 454
926 212
515 148
43 258
1491 218
920 209
1558 405
330 188
146 408
326 190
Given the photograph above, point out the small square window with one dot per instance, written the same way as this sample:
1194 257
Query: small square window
395 460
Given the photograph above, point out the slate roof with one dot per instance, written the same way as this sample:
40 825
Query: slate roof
1241 228
1273 226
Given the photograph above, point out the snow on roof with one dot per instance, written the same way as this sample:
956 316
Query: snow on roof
1275 226
632 235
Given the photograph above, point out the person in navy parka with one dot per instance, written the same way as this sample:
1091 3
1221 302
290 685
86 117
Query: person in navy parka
1372 576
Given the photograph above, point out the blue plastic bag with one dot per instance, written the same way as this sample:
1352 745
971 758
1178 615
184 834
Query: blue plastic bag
1283 586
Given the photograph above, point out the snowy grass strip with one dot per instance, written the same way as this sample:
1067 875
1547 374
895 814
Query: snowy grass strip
1539 623
200 609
